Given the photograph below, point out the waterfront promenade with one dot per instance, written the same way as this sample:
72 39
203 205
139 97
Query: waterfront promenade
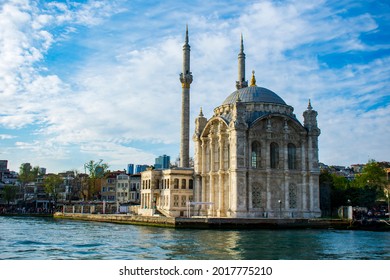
220 223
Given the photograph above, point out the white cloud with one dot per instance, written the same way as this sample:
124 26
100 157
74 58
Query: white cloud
6 136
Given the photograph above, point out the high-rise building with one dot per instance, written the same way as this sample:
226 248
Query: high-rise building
130 169
140 168
162 162
3 165
3 168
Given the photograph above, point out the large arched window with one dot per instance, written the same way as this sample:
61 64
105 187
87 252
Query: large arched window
274 155
292 156
256 155
183 183
176 183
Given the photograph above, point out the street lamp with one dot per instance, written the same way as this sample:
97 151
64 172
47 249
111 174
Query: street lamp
388 204
280 208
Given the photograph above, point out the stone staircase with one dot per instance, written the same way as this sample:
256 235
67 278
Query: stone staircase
162 212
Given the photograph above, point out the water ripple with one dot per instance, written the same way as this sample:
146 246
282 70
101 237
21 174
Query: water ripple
46 238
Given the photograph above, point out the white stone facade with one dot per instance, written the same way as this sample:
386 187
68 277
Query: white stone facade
253 158
268 168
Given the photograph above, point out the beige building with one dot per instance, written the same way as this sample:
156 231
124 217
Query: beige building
122 188
167 191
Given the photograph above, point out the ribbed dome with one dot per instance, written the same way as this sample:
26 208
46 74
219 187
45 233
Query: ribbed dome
254 94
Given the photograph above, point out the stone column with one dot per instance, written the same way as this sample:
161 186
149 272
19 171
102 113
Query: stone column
221 193
310 156
287 190
268 184
204 173
304 159
267 145
311 191
211 172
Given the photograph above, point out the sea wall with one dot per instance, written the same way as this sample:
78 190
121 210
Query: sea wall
119 218
209 223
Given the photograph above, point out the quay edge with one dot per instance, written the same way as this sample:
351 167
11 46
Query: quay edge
210 223
119 219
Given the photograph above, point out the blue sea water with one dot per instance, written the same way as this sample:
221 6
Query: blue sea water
28 238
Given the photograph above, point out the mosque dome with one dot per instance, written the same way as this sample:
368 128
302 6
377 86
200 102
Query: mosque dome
260 102
254 94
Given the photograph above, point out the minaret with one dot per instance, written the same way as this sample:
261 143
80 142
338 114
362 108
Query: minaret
241 83
186 80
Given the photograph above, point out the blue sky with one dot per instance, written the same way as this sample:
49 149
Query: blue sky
82 80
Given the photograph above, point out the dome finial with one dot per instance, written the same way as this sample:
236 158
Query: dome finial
253 80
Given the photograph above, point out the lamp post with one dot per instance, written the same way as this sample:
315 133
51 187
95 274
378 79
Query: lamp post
388 204
280 208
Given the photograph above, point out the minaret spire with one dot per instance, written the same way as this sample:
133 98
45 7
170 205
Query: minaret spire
186 80
241 83
186 34
242 44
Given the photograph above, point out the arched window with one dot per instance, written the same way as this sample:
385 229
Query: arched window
274 155
191 184
256 155
183 183
176 183
292 156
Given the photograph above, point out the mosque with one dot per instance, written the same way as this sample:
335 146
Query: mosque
252 158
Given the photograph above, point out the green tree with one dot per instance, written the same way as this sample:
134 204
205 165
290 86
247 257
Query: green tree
372 175
27 174
52 184
9 193
337 187
96 171
371 184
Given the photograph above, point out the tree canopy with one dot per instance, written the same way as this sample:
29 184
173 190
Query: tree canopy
364 190
96 171
9 193
52 184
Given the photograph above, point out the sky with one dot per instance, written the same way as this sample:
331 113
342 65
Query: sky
91 80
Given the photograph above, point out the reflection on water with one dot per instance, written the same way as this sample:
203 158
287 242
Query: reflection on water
46 238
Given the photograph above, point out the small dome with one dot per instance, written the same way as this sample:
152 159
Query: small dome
254 94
